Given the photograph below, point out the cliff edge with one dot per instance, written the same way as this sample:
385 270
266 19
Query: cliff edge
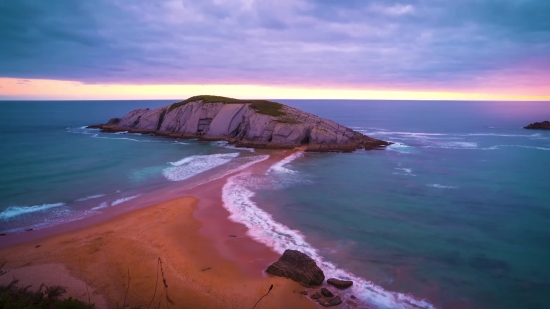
245 123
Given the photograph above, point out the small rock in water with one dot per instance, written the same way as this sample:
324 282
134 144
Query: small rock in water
232 235
353 297
297 266
335 301
304 292
3 234
326 292
37 246
316 295
340 284
28 230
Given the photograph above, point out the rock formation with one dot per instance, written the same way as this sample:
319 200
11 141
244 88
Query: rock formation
297 266
245 123
545 125
335 301
340 284
326 292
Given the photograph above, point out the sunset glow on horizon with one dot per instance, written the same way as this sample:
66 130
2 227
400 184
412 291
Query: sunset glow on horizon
286 49
39 89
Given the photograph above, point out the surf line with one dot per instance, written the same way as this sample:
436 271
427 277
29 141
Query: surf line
263 228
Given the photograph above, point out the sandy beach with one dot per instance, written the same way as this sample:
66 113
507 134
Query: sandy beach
190 258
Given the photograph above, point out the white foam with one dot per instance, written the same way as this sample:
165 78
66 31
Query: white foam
408 133
436 185
124 199
122 132
405 171
263 228
454 145
90 197
519 146
249 162
101 206
502 135
279 167
16 211
194 165
400 147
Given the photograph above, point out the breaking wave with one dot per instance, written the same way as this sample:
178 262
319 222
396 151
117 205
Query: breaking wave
125 199
90 197
237 199
280 166
101 206
194 165
16 211
436 185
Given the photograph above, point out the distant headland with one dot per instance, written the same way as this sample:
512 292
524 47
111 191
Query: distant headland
545 125
244 123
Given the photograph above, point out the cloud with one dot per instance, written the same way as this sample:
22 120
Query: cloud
383 44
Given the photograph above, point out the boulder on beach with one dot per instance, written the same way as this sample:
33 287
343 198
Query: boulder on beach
326 292
297 266
334 301
340 284
545 125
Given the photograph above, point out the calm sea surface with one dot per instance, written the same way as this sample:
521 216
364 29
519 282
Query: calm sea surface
455 214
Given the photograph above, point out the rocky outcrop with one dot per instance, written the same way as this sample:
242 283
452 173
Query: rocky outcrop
335 301
256 124
545 125
340 284
297 266
326 292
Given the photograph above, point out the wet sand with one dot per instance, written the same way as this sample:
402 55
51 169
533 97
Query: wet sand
101 257
203 266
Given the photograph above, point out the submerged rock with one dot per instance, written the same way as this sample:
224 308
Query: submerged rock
545 125
340 284
297 266
315 295
335 301
326 292
245 123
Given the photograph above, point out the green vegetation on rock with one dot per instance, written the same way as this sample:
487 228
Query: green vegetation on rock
13 296
261 106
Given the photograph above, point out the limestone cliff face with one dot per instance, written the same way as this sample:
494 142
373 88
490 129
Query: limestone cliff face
257 124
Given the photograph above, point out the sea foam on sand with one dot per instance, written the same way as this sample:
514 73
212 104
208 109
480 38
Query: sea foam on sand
237 199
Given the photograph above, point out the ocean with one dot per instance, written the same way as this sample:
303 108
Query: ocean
455 214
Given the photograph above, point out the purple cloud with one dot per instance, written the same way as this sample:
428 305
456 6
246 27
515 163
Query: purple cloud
303 42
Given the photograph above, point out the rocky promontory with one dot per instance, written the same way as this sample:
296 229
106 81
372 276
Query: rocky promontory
245 123
545 125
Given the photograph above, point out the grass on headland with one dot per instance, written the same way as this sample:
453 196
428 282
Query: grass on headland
12 296
261 106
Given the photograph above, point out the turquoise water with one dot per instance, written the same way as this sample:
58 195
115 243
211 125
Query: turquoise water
457 212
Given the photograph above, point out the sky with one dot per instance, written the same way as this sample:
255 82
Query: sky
172 49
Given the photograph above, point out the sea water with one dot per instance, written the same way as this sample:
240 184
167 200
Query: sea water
455 214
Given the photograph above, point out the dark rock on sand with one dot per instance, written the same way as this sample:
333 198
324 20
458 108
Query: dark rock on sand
315 295
245 123
545 125
340 284
326 292
335 301
297 266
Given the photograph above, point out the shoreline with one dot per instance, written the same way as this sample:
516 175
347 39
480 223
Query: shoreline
190 234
